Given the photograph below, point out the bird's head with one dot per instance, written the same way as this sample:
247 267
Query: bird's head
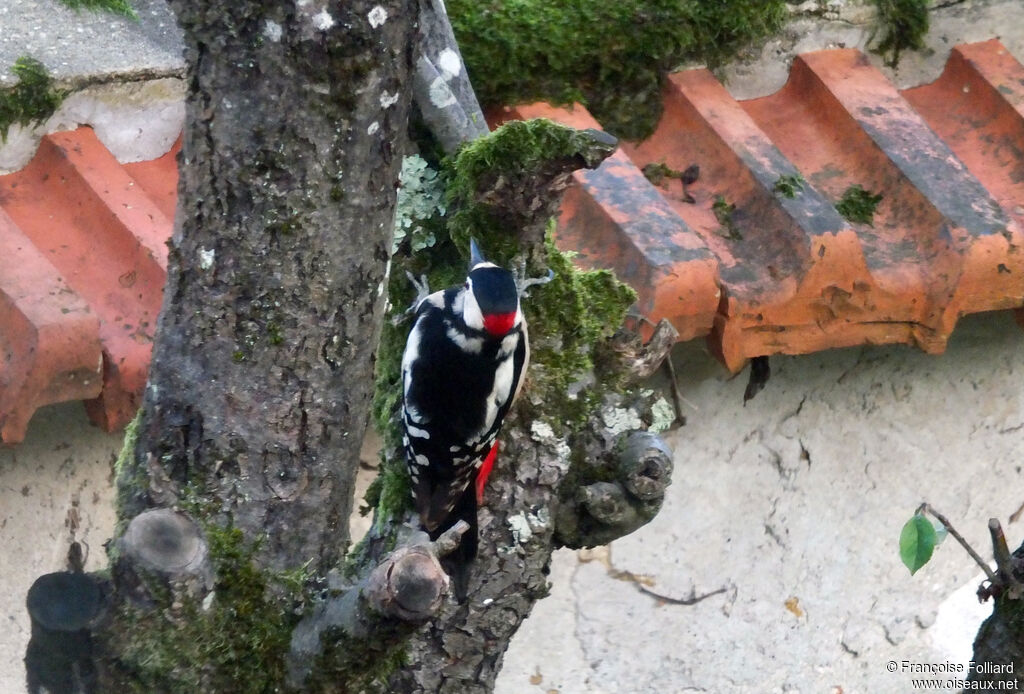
492 298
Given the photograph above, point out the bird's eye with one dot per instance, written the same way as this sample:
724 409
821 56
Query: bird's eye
466 285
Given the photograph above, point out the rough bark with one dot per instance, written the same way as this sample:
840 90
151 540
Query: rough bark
523 520
555 484
441 86
999 645
234 498
258 388
261 373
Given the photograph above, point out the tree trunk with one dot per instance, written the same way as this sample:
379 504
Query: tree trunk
999 644
261 376
230 564
260 380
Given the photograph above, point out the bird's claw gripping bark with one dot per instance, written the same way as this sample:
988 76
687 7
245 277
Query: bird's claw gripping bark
523 283
422 290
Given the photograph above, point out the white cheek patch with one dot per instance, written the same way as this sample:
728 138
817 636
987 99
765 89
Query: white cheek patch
471 313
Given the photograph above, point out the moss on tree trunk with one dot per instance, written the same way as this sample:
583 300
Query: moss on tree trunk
230 571
258 392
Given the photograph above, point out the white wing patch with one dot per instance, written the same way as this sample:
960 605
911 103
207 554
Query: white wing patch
411 354
413 430
436 300
413 415
502 388
470 345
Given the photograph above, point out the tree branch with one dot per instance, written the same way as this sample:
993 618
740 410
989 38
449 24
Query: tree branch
569 429
407 586
639 361
598 512
441 86
963 543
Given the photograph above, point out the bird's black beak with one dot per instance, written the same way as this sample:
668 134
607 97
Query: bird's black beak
475 256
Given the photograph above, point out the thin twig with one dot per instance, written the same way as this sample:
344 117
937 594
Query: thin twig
1000 549
677 394
963 543
692 600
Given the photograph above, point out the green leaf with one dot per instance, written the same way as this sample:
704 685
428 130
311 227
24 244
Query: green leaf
917 542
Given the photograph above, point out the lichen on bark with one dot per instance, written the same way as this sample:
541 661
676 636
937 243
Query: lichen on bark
248 440
503 190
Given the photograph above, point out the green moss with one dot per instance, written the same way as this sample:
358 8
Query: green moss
657 173
375 662
612 56
129 477
389 492
121 7
904 24
788 185
32 100
858 205
569 318
274 335
521 153
723 213
238 643
566 317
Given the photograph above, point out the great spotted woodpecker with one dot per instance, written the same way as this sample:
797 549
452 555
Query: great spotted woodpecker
462 368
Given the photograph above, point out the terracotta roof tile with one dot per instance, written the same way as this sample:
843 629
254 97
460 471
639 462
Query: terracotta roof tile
97 231
83 239
794 276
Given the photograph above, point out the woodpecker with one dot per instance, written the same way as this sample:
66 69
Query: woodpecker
462 369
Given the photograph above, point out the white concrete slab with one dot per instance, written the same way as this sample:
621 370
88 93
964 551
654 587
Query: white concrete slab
794 505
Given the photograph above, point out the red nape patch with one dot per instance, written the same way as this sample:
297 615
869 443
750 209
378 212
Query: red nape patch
485 472
498 324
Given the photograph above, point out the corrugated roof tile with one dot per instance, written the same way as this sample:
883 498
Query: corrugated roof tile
794 276
754 254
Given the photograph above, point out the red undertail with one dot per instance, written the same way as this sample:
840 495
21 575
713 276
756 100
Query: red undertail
485 472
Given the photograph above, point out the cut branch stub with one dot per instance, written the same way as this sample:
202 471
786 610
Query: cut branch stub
515 179
65 601
612 496
646 465
167 547
63 607
409 587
